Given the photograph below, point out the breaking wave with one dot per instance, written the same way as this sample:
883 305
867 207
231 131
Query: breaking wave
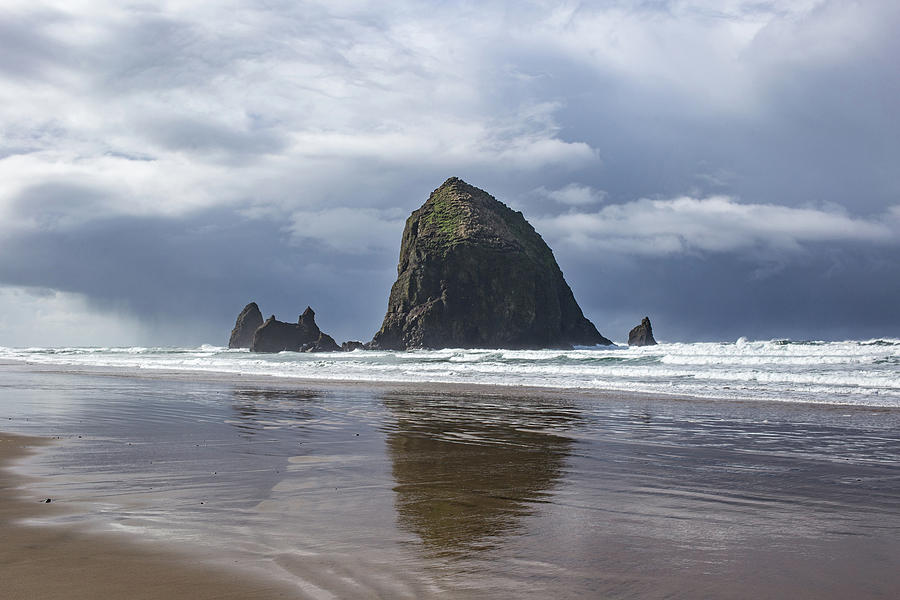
850 372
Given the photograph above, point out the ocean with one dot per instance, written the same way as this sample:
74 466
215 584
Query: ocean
865 373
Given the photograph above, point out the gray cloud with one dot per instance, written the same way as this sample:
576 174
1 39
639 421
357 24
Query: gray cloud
715 224
185 276
573 194
199 135
187 158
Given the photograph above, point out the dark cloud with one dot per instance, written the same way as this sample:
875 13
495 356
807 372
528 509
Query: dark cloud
55 205
26 52
843 293
190 276
198 135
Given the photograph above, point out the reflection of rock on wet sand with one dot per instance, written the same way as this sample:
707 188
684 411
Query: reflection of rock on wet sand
466 471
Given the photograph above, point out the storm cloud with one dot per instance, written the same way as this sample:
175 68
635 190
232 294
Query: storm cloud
728 168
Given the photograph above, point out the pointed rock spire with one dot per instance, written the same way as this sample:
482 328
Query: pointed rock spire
642 335
248 321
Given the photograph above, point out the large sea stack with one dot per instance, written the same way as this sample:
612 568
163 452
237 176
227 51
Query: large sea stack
473 273
246 324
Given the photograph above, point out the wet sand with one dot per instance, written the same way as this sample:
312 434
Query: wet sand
66 563
433 491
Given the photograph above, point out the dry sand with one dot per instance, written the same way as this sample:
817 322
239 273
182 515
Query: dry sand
51 563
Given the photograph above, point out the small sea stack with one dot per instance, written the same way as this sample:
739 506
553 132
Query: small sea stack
642 335
473 273
302 336
245 326
272 335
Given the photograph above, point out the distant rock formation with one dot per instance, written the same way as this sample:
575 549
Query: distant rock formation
307 323
352 345
474 273
303 336
324 343
247 323
642 335
277 336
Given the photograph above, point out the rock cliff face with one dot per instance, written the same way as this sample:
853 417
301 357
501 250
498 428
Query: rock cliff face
247 323
303 336
474 273
642 335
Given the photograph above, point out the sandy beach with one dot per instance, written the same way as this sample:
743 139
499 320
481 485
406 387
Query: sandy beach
65 562
183 486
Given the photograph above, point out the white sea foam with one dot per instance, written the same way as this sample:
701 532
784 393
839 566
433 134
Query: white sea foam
849 372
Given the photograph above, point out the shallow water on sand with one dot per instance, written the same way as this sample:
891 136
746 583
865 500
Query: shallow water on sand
400 492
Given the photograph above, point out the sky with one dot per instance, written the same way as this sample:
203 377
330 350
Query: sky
728 168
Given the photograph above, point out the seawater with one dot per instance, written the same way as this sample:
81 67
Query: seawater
864 373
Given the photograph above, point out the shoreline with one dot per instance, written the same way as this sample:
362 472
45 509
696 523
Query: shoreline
64 561
527 391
